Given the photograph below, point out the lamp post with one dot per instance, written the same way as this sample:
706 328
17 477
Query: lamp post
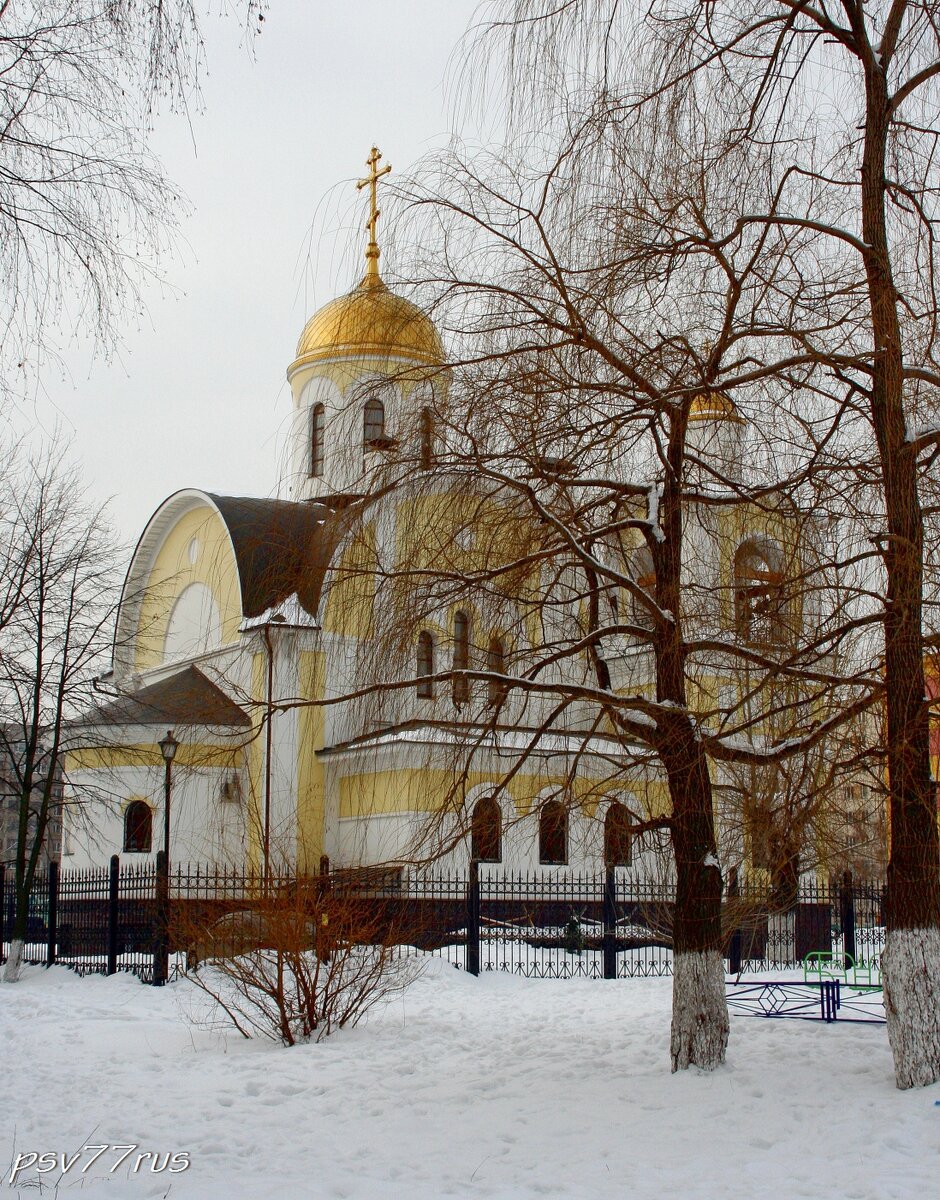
168 747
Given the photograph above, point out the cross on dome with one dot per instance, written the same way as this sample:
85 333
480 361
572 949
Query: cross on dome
370 323
371 181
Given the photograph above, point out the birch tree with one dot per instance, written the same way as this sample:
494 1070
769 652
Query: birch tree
86 209
58 592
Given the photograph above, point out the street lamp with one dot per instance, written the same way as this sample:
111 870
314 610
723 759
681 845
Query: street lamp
168 748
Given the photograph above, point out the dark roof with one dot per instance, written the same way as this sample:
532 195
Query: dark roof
186 698
281 547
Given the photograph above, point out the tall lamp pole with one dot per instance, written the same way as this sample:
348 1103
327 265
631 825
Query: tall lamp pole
168 748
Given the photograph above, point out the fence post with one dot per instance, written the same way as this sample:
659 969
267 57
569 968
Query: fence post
322 933
3 908
734 950
161 929
113 885
829 1000
52 920
473 919
847 913
610 923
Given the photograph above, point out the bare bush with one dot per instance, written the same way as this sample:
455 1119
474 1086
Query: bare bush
296 965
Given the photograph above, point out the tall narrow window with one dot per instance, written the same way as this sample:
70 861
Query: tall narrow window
644 575
425 687
486 831
138 828
553 833
759 824
317 418
373 423
617 840
427 440
758 596
496 662
461 657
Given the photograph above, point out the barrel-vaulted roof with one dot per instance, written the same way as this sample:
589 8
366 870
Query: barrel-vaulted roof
282 549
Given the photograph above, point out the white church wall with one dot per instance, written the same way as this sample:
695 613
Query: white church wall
346 662
348 465
301 484
284 743
203 826
229 669
719 444
444 845
366 840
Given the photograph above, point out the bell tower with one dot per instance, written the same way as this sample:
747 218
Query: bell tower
367 367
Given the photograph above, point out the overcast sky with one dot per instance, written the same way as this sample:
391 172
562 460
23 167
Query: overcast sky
198 396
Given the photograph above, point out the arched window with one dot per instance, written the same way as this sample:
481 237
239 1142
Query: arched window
553 833
617 839
496 662
373 423
461 657
644 575
758 595
760 831
138 828
317 417
486 831
425 687
427 439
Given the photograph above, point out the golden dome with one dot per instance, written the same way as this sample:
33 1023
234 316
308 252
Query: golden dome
370 322
713 406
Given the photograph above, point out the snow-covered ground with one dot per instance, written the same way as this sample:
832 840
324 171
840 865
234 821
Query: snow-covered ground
489 1087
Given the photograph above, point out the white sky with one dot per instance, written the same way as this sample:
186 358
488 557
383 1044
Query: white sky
198 396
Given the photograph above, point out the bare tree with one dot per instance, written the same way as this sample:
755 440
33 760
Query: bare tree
571 494
58 592
833 107
85 208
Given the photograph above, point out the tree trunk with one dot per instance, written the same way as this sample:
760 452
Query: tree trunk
14 963
699 1010
911 962
912 1001
699 1007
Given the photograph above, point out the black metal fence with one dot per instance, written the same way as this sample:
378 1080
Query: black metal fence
615 926
551 927
560 925
97 921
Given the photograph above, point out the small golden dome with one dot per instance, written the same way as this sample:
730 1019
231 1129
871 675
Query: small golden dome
370 322
713 406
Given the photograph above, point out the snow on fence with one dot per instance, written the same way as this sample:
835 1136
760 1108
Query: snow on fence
557 925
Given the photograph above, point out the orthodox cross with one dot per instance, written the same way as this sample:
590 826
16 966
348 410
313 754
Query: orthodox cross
371 181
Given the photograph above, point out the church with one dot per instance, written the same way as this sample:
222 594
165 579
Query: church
250 630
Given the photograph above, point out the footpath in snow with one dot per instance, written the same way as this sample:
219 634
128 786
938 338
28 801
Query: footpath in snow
495 1087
